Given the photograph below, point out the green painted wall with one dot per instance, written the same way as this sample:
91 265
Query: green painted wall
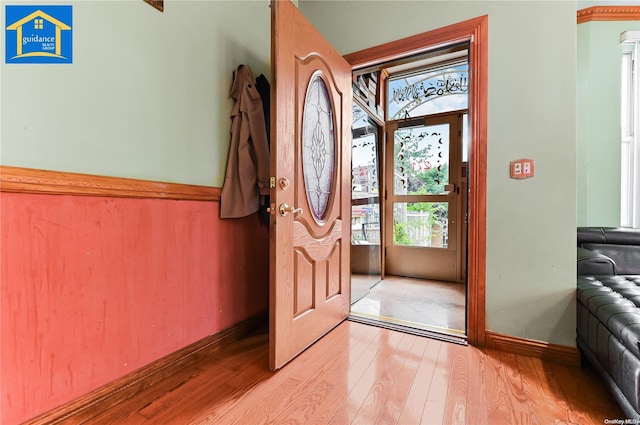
532 113
147 95
598 165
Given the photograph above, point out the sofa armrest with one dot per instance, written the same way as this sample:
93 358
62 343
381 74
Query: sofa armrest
592 264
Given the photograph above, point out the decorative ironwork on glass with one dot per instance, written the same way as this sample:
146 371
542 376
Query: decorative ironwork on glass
428 92
318 147
364 156
365 197
421 160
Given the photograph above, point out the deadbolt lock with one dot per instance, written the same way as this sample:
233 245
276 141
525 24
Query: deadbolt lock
284 183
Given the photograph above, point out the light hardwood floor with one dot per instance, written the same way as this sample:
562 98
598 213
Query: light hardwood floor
361 374
416 301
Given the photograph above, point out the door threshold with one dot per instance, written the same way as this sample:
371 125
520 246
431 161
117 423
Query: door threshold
434 332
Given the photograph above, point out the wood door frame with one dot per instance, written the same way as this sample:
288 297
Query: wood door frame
476 31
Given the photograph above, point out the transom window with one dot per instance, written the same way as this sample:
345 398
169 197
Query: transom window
425 92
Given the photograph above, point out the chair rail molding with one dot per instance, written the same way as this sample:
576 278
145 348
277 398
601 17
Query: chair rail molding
35 181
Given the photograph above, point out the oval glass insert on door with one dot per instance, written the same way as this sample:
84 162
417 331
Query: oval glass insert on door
318 147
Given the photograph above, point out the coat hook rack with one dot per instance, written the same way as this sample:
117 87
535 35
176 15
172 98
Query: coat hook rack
158 4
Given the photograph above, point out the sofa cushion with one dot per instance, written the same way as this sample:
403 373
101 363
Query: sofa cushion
592 264
626 257
590 235
621 245
621 236
608 235
604 297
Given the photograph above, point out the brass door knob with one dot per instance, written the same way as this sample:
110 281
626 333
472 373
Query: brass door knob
286 209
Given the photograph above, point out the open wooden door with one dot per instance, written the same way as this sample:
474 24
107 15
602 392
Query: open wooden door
310 195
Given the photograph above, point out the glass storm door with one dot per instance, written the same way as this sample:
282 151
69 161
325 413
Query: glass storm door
423 197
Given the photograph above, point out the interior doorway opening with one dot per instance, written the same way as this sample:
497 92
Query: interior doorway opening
410 162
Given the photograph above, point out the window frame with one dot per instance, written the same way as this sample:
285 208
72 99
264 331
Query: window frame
629 130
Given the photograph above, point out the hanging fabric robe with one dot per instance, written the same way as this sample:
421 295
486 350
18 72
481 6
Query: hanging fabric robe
247 177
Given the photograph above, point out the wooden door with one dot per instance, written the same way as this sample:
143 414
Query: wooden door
310 200
423 180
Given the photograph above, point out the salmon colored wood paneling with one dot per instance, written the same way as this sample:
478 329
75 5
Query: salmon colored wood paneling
96 287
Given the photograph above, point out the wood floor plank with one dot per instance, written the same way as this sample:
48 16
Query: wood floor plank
236 410
417 397
498 403
326 385
274 393
403 380
456 400
126 411
237 371
434 408
269 401
554 396
581 411
541 411
360 374
177 396
348 409
393 362
476 412
520 409
205 392
341 387
598 397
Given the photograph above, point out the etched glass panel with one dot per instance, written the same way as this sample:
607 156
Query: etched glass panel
428 92
365 193
421 160
318 147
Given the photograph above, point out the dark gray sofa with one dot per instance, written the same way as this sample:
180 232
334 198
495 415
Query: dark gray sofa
608 299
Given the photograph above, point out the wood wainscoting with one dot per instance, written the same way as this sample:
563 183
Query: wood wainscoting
143 379
102 276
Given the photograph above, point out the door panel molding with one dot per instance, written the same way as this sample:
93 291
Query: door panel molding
474 31
309 275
